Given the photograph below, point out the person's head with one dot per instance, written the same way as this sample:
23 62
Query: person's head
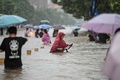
56 30
45 31
41 29
60 35
12 30
37 30
26 29
118 30
76 29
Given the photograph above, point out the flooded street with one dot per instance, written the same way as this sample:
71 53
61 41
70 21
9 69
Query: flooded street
83 62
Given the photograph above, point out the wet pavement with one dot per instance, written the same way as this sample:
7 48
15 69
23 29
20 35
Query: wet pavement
83 62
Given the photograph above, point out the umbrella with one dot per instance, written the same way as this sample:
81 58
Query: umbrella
58 27
45 26
45 21
6 20
111 66
36 27
28 26
104 23
75 27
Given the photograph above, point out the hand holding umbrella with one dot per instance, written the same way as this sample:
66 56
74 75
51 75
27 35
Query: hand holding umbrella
69 47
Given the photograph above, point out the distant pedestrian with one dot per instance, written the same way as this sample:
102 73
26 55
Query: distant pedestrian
46 37
90 36
12 46
27 32
75 33
55 32
103 38
37 33
93 36
41 33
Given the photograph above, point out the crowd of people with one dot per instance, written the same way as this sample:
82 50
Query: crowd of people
12 46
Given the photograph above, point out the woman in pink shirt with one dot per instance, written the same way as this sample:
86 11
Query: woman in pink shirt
46 37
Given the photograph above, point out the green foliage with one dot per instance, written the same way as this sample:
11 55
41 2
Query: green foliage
24 9
115 6
82 7
6 7
17 7
53 16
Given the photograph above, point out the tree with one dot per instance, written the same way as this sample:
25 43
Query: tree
83 7
6 7
17 7
53 16
24 9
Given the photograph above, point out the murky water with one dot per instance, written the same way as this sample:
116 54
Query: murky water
83 62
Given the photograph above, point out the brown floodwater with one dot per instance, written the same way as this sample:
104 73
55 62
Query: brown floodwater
83 61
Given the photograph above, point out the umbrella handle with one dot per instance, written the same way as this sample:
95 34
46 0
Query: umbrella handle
70 46
66 50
